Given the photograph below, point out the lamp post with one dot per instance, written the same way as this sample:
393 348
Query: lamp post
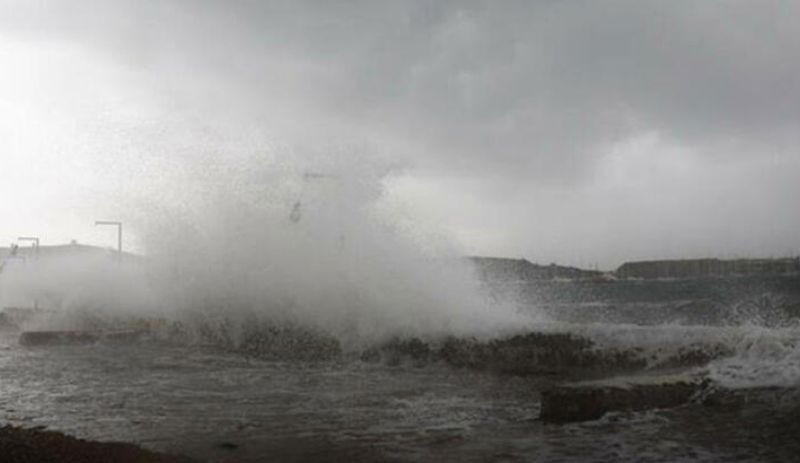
119 234
35 240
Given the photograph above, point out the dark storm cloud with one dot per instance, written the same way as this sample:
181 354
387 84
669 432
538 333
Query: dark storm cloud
518 96
536 86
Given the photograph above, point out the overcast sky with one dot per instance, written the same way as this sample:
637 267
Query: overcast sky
581 132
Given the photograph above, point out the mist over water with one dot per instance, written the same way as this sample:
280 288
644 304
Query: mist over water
73 289
312 244
301 186
317 247
242 244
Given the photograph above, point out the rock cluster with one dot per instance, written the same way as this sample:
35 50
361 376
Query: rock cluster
557 355
36 445
590 401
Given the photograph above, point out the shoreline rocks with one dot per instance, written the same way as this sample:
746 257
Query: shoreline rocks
591 400
552 355
46 338
49 338
38 445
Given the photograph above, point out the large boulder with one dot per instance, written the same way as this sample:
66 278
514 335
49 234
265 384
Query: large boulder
553 355
37 445
46 338
591 400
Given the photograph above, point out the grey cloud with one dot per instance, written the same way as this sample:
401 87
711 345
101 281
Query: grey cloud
526 91
543 84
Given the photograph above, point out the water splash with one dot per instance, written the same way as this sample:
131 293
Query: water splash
310 244
764 357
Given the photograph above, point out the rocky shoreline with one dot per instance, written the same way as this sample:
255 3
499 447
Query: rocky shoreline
39 445
557 356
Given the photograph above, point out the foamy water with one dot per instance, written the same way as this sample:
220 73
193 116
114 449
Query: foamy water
763 357
192 400
315 244
320 248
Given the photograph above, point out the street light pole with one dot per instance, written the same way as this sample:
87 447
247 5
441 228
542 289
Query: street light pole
119 234
35 240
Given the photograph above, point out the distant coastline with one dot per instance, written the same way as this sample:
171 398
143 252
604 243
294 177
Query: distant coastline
506 269
509 269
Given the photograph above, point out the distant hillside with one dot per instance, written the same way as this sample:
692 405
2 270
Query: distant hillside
698 268
502 269
62 250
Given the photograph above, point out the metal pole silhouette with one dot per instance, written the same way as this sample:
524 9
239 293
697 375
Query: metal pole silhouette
35 240
119 234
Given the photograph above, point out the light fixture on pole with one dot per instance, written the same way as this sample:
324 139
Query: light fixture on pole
119 234
35 240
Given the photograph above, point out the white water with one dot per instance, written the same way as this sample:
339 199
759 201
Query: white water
763 357
315 244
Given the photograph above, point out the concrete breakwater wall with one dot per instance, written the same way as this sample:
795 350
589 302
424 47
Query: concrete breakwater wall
582 379
591 400
554 355
570 402
62 337
543 354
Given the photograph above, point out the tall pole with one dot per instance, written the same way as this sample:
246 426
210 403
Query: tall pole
119 234
35 240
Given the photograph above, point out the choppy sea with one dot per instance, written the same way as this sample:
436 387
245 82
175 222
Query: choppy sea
220 406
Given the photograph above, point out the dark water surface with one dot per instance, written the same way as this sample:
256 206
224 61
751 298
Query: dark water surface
211 406
217 406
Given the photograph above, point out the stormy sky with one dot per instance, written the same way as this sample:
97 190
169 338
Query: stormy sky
580 132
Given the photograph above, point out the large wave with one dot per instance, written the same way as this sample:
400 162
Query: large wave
309 244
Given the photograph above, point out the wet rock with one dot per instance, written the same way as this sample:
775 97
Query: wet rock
554 355
793 310
52 338
550 354
288 342
36 445
718 397
47 338
265 340
694 355
591 400
399 351
7 323
122 336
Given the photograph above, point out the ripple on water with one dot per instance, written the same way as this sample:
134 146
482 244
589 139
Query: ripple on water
189 400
